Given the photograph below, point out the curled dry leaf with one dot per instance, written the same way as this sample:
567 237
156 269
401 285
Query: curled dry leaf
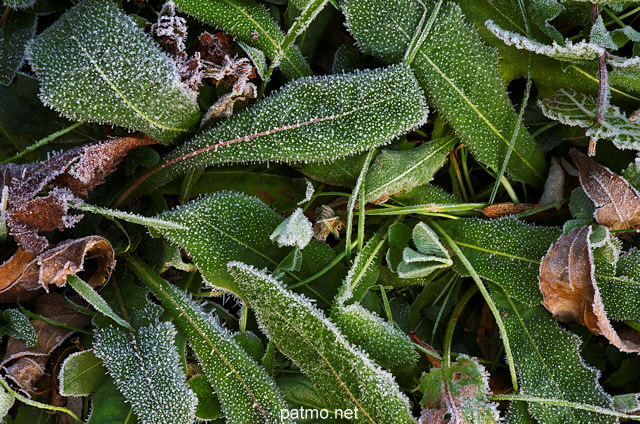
571 292
24 366
62 178
617 202
27 275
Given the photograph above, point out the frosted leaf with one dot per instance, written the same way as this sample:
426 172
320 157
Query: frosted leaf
171 29
86 67
19 326
395 172
296 230
577 109
380 339
429 256
554 186
571 52
246 392
6 402
19 4
308 194
548 362
81 373
600 36
146 368
18 29
459 74
251 23
301 331
257 57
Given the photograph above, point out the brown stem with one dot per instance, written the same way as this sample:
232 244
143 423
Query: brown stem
4 15
603 86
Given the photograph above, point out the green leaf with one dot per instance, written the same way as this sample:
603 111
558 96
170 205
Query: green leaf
505 251
309 120
18 29
543 352
19 326
577 109
6 402
245 390
380 339
250 22
19 4
90 295
86 72
340 172
429 256
82 373
458 73
209 407
345 375
397 171
300 392
296 230
109 407
459 391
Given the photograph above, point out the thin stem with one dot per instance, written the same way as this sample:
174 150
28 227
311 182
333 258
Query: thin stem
451 325
44 141
352 200
50 321
38 405
323 271
566 404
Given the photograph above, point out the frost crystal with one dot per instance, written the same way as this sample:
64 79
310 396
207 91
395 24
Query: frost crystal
293 231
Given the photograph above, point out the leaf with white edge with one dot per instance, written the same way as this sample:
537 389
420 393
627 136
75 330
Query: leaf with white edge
577 109
6 402
19 326
257 57
542 353
430 255
397 171
458 73
90 295
581 51
301 331
82 373
505 251
109 407
84 63
145 366
600 35
363 272
18 29
458 392
380 339
19 4
251 23
308 120
296 230
245 390
209 407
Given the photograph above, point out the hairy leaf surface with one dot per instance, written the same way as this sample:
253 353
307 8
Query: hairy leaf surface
18 29
82 373
85 66
345 375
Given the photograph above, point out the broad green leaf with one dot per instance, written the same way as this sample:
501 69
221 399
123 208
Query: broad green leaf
85 67
505 251
577 109
82 373
380 339
619 284
459 75
109 407
459 391
224 227
429 256
90 295
209 407
397 171
250 22
296 230
145 366
299 391
309 120
345 375
18 29
340 172
543 354
18 326
245 390
6 402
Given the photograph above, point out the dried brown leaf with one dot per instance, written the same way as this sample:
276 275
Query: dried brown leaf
24 366
571 292
27 275
617 202
38 193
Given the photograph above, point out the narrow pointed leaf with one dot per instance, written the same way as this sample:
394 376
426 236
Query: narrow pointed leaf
90 295
505 251
345 375
458 73
251 23
245 390
543 352
397 171
84 63
82 373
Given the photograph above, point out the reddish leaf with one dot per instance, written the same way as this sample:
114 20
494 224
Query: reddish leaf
27 275
617 202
